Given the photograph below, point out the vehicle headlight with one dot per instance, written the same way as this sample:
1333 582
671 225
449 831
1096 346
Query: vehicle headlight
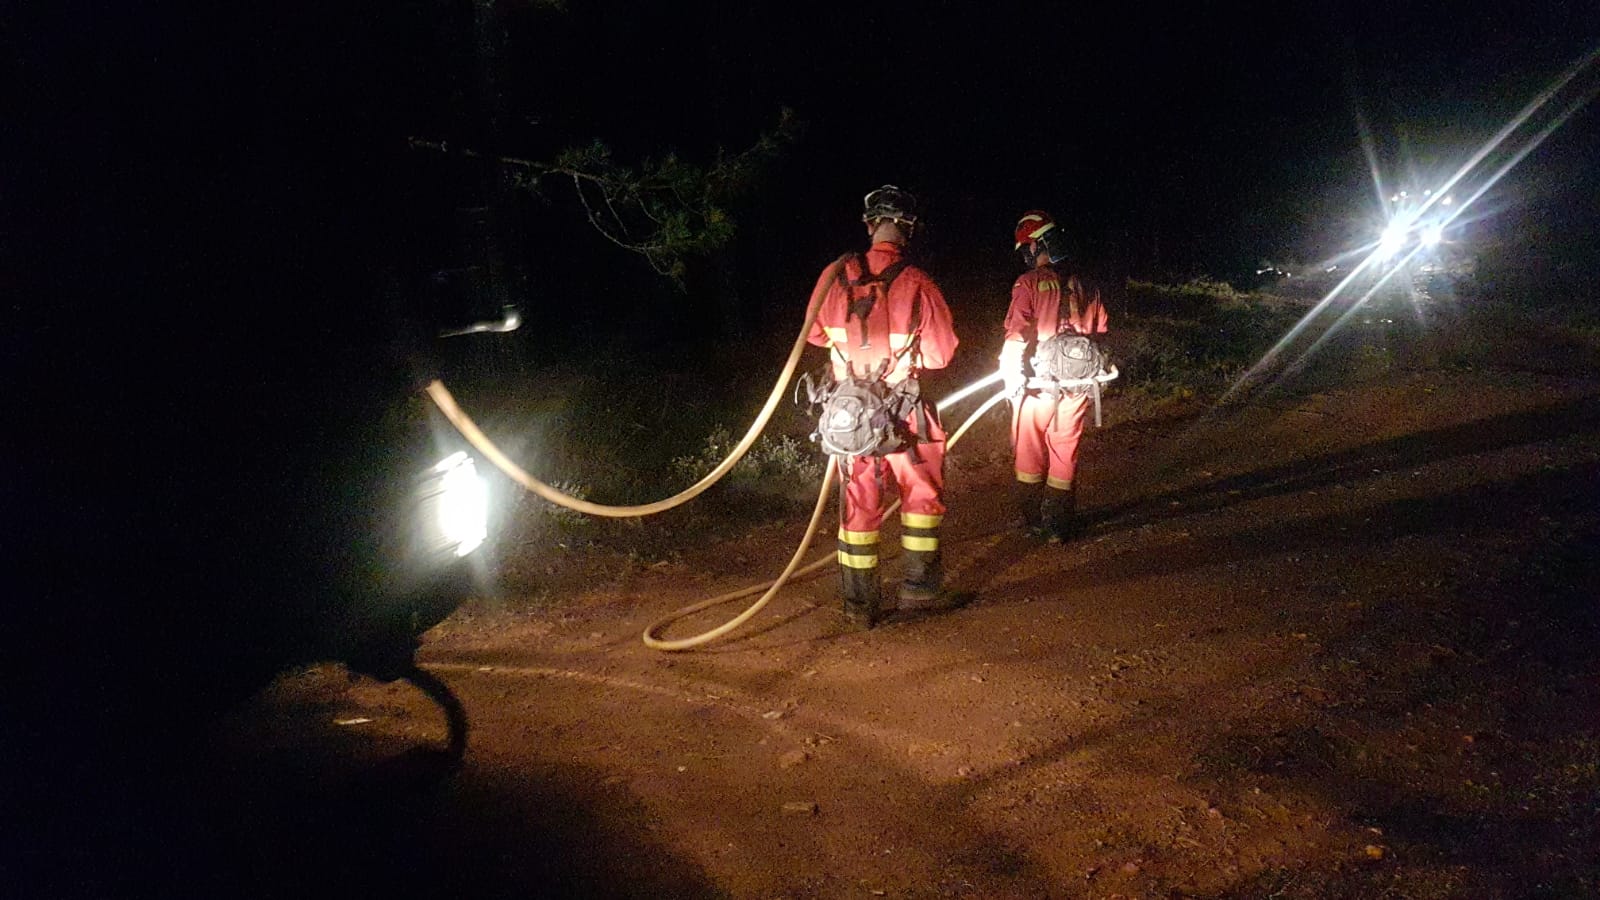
455 505
1394 238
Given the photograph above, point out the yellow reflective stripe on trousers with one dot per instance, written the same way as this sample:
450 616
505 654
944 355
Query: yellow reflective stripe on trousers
920 520
919 542
1029 478
858 549
858 560
1059 484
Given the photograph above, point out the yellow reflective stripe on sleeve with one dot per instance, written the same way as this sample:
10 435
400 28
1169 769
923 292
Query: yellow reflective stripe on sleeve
920 520
914 542
1059 484
837 335
858 560
858 537
1029 478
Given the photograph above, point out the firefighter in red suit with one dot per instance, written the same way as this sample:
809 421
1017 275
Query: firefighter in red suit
1046 427
884 319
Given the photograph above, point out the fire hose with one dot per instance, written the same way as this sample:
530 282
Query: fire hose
772 588
463 423
791 571
442 398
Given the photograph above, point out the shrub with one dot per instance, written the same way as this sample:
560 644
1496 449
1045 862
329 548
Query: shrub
558 515
1183 340
773 466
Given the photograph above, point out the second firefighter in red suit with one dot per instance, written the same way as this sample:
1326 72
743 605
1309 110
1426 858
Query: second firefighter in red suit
894 328
1046 427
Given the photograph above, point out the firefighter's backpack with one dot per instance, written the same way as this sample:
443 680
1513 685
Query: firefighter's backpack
863 416
1068 364
1069 357
856 418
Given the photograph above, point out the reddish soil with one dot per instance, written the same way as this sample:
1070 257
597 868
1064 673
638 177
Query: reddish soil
1334 641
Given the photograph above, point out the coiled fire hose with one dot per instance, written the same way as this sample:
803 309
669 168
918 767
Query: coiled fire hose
771 588
790 571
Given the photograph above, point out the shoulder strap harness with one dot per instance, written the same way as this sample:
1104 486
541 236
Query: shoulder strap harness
861 305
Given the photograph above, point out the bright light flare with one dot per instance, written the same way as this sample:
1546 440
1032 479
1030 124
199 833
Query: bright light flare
1441 196
1433 235
1393 239
462 503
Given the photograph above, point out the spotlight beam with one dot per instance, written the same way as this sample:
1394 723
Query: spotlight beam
1268 358
1521 118
1531 145
1478 157
1305 357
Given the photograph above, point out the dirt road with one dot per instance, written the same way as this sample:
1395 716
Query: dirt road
1335 641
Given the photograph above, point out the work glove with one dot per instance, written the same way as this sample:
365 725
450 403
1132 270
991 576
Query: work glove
1011 368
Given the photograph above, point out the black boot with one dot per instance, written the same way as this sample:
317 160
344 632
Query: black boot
1029 499
1060 514
863 598
922 588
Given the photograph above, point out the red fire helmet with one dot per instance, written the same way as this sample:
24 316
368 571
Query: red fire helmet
1032 226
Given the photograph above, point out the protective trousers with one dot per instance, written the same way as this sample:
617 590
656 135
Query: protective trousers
1045 432
918 475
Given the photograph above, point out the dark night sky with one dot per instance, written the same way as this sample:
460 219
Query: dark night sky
189 146
1191 121
1175 142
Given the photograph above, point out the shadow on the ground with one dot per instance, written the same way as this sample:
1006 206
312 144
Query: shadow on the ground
1542 424
310 824
1462 511
1545 424
1461 733
1456 720
294 806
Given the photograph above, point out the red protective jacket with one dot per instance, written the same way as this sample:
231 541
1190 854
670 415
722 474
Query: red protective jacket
889 325
1045 303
